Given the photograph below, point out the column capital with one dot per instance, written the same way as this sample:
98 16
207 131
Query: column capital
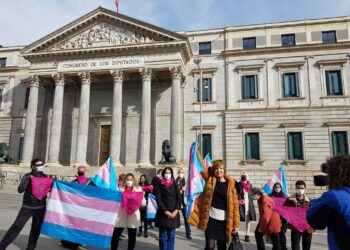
59 79
146 73
117 75
85 77
32 81
176 72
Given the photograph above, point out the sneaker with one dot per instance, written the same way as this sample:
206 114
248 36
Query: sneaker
246 239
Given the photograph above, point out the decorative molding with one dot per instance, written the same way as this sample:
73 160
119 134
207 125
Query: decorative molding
293 125
204 70
85 77
176 73
254 162
252 125
3 82
103 34
59 79
296 98
253 67
204 127
290 65
331 62
146 74
251 100
117 75
31 81
334 96
337 124
295 162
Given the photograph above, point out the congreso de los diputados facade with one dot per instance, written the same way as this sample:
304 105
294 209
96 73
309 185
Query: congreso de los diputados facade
107 84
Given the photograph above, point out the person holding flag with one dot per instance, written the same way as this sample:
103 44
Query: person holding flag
216 210
106 177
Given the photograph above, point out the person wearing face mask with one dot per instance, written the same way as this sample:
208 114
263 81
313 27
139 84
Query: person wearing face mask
80 177
124 220
246 204
31 207
167 217
147 188
181 185
216 210
300 200
278 193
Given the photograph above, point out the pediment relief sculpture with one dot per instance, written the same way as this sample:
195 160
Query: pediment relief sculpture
103 34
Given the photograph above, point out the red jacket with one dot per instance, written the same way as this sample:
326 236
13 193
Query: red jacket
270 222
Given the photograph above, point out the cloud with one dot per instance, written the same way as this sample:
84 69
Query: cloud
27 21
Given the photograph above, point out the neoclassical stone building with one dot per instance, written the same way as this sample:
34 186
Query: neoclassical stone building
273 94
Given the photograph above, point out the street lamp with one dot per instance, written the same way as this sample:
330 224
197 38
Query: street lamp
198 61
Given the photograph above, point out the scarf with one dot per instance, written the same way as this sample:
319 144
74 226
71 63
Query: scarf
245 186
167 183
81 179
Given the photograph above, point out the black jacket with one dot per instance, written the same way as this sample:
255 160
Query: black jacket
29 200
168 199
251 209
180 183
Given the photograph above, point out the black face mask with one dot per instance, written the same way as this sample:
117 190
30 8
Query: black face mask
244 178
81 173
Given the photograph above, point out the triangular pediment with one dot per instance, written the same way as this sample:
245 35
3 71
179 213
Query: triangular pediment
102 28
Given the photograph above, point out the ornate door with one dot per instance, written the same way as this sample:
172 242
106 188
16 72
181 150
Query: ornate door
104 143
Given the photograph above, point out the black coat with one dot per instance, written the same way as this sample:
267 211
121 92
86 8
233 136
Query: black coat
168 199
251 209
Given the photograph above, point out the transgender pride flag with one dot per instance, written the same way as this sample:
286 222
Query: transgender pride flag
195 182
208 162
81 214
151 207
105 177
277 177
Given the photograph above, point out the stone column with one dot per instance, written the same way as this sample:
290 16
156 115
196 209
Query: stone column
56 121
83 125
29 131
116 127
175 139
145 117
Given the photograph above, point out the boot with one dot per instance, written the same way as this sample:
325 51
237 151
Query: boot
140 232
246 239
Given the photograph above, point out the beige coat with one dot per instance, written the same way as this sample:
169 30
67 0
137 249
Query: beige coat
129 221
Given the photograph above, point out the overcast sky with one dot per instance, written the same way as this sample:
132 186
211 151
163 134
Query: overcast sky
25 21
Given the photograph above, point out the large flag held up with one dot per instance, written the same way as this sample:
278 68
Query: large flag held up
106 177
81 214
195 183
277 177
151 207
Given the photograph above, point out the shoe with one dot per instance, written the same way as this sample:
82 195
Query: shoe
246 239
139 234
189 237
145 235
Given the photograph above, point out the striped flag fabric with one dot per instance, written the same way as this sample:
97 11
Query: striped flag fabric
277 177
117 5
106 177
195 183
151 207
81 214
208 162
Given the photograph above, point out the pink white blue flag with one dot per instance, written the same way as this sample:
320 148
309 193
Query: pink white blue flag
81 214
277 177
106 177
208 162
151 207
195 183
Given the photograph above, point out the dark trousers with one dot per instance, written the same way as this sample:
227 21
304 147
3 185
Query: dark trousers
144 221
296 235
187 226
259 237
131 238
23 216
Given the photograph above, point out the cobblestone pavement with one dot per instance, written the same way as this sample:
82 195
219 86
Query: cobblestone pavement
10 203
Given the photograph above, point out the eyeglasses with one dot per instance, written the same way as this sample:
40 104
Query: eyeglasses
40 165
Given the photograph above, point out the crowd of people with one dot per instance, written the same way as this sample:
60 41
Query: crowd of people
218 210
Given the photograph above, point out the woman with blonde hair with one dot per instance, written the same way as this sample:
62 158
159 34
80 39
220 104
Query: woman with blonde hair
216 210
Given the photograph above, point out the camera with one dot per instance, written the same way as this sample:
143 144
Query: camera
322 180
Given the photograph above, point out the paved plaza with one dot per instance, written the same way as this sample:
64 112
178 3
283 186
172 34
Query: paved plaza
10 203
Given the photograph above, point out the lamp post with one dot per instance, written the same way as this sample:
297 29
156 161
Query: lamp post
198 61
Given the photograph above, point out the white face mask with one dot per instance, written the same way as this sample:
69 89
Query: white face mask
167 176
129 183
40 168
299 191
181 175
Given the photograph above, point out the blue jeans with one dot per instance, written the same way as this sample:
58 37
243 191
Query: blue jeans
166 239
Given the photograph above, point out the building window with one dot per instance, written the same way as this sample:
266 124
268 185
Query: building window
249 43
205 48
340 143
26 99
252 146
206 90
249 87
20 148
295 146
206 144
334 82
329 37
1 94
288 40
290 85
3 62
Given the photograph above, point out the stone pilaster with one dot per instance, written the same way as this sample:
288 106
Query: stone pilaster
83 124
175 139
31 116
145 118
116 127
56 121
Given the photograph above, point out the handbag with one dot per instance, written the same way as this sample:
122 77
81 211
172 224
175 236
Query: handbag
236 243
